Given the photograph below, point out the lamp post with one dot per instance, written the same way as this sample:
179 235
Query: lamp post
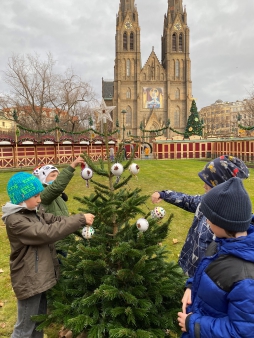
15 118
123 112
57 137
91 133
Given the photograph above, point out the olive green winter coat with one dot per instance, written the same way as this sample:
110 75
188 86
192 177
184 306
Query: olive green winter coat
33 261
51 199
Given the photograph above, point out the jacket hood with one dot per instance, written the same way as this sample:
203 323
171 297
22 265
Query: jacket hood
9 209
242 247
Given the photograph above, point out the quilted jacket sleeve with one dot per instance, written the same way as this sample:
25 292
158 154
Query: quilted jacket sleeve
239 321
186 202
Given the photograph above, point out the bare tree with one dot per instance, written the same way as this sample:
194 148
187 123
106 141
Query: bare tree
246 118
41 98
72 100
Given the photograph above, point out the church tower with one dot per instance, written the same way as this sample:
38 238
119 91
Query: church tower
127 65
158 91
175 56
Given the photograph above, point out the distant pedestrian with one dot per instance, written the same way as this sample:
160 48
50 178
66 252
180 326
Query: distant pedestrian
111 154
124 153
147 152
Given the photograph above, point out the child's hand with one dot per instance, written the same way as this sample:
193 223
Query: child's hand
78 161
156 197
186 300
89 218
181 320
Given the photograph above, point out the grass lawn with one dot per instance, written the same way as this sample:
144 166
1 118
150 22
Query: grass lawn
179 175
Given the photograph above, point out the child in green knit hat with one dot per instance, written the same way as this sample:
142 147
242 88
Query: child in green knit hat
34 265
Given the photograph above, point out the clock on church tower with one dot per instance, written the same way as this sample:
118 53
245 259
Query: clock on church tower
128 25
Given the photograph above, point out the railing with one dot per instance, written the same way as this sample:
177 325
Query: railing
32 155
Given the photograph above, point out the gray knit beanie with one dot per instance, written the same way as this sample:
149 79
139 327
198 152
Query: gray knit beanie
228 206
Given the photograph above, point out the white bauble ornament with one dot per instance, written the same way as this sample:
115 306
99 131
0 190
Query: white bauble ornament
87 232
134 168
117 169
158 212
87 173
142 224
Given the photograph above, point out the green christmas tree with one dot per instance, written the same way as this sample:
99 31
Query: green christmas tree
194 124
118 282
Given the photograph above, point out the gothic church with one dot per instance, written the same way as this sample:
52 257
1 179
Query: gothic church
155 92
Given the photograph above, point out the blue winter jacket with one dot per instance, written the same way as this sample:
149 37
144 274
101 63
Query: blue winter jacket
223 292
199 235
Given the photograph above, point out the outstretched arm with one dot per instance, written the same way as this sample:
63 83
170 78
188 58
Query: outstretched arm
181 200
77 161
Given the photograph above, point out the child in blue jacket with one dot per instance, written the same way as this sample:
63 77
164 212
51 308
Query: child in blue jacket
200 235
219 300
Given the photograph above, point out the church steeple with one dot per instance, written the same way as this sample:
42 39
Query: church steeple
174 7
175 39
127 8
175 56
126 5
127 61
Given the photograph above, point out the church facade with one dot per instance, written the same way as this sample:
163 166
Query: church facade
157 91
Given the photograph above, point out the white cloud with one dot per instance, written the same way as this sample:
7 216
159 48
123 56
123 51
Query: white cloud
81 34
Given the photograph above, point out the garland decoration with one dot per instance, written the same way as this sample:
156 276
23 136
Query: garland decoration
176 131
154 130
7 138
64 131
245 128
48 138
23 138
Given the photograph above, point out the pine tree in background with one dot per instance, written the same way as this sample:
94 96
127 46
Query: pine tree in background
194 125
119 282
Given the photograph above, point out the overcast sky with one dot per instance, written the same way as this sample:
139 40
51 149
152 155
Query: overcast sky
80 34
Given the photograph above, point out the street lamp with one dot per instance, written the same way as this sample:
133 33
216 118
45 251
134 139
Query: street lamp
123 112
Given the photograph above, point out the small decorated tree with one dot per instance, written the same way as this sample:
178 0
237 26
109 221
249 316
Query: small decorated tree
116 279
194 124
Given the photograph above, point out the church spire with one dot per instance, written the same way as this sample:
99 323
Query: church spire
127 5
174 7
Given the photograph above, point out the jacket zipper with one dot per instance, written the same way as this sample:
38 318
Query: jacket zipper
36 260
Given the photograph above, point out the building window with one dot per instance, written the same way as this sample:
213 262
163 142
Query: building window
180 42
131 41
3 124
177 72
125 41
174 42
177 94
128 67
177 118
128 93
